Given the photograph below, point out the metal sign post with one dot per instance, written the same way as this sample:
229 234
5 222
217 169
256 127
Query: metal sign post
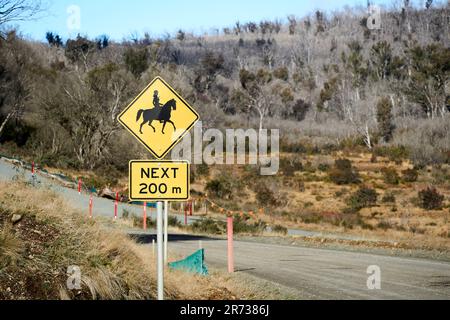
166 227
159 239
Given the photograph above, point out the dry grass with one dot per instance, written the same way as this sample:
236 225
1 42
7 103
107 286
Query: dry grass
36 252
321 201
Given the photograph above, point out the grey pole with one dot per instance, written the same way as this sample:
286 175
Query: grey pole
166 226
160 263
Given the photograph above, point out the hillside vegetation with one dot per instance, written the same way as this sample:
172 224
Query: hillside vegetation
324 77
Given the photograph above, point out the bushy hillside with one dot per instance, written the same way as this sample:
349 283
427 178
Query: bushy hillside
325 79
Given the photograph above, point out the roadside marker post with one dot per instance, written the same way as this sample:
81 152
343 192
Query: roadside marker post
159 181
79 186
32 167
230 245
116 205
153 247
91 203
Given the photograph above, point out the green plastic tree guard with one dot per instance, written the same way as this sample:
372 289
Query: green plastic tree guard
194 263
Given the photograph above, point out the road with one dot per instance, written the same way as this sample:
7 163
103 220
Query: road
312 273
328 274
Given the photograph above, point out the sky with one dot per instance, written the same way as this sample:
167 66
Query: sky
120 18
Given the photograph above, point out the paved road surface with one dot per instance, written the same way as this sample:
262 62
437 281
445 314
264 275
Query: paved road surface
313 273
329 274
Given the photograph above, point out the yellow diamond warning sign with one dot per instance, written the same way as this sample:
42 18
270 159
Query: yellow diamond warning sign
159 118
159 180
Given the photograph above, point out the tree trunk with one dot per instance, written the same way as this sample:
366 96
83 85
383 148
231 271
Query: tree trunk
9 116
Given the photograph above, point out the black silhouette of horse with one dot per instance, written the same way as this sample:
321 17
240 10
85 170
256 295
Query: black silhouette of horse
162 115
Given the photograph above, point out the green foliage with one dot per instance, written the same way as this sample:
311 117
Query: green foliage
281 73
430 199
202 170
136 60
208 226
287 95
384 118
78 50
388 197
326 94
391 176
174 222
126 214
241 225
393 153
289 166
363 198
265 195
54 39
343 173
410 175
280 229
222 187
429 74
212 63
263 76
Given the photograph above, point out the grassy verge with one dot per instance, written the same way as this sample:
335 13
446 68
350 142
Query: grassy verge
40 237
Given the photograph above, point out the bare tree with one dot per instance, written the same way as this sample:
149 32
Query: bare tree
19 10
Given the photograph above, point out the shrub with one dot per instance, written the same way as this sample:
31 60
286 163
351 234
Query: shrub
343 173
265 196
125 214
282 73
137 222
208 226
390 176
394 153
388 197
240 225
323 167
280 229
410 175
136 61
174 222
384 225
221 187
290 166
202 170
430 199
363 198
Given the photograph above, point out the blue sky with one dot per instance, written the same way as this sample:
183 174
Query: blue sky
120 18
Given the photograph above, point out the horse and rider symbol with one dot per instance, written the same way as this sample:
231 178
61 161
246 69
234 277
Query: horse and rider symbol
161 113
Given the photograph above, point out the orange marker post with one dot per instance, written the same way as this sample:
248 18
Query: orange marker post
116 205
145 216
230 245
91 204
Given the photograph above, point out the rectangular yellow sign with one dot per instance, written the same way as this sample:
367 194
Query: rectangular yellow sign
159 180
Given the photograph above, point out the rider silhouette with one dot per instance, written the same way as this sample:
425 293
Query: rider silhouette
156 103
